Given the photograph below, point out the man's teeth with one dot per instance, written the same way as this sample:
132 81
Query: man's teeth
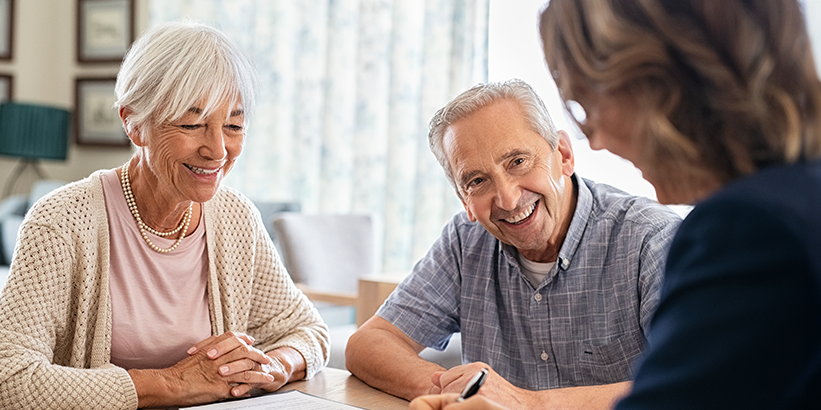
202 171
522 215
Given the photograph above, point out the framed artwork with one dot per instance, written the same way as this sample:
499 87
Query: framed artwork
6 88
105 30
96 121
6 28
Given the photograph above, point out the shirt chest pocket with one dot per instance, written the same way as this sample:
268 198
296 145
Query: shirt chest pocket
611 362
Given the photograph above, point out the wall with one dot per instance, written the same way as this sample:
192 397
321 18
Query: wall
812 8
44 66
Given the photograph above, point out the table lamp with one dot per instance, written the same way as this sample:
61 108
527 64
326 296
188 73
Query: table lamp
32 132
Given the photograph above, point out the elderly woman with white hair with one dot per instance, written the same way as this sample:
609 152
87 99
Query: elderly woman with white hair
152 285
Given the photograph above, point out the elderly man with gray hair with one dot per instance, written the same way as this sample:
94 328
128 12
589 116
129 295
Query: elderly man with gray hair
552 290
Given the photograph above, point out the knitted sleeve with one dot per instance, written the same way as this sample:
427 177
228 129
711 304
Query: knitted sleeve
283 316
257 294
48 316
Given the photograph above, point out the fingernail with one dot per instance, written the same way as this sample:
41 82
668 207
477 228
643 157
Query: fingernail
192 350
224 369
212 353
235 392
270 378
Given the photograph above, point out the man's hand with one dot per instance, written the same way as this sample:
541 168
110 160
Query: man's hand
495 387
448 402
500 391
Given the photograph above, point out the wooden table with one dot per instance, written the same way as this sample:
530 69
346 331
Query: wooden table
373 290
341 386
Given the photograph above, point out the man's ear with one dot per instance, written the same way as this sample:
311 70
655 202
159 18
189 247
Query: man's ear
565 149
471 217
132 132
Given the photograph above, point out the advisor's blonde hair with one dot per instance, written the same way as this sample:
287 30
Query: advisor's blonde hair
726 87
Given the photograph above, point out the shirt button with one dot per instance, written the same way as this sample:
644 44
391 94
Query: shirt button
545 356
538 297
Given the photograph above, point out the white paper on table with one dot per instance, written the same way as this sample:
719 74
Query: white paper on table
292 400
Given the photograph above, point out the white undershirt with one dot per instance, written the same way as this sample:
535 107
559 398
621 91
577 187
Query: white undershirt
535 271
159 302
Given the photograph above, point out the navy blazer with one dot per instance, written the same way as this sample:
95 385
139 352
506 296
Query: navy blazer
739 323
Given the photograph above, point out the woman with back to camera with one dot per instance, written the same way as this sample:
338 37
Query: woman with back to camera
151 285
718 103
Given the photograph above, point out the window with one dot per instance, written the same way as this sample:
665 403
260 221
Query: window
514 50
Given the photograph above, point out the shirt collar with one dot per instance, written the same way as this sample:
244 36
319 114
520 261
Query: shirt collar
584 205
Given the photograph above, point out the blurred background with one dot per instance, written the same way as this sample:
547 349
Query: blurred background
348 87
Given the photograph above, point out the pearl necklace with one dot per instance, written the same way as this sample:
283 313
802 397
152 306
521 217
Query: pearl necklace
132 206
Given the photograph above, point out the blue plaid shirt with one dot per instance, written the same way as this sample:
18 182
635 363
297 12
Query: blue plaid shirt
583 325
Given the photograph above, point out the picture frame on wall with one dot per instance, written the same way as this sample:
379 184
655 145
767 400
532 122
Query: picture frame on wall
6 88
96 121
6 29
105 30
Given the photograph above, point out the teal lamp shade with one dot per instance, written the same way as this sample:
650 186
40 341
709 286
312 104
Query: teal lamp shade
33 131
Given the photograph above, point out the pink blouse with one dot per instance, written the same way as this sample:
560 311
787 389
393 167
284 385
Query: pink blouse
159 303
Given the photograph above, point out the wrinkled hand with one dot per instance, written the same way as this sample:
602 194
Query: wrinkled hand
448 402
243 365
495 387
198 378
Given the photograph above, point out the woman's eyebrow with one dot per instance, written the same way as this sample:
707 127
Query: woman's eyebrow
198 111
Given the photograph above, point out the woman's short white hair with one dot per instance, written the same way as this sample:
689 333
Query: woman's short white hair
480 96
179 65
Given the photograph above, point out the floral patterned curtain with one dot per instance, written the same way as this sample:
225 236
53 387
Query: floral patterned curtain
348 87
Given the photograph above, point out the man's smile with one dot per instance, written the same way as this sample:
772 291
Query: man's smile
523 216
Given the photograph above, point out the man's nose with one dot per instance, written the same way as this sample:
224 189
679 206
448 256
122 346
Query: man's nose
507 194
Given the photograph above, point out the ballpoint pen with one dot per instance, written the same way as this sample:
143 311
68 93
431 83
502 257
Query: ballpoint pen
473 385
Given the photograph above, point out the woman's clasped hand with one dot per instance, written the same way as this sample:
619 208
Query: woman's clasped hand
237 362
221 367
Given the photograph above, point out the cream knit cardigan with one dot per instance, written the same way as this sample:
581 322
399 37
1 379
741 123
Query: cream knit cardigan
55 312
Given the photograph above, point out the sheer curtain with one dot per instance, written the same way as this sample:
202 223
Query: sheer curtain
348 87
